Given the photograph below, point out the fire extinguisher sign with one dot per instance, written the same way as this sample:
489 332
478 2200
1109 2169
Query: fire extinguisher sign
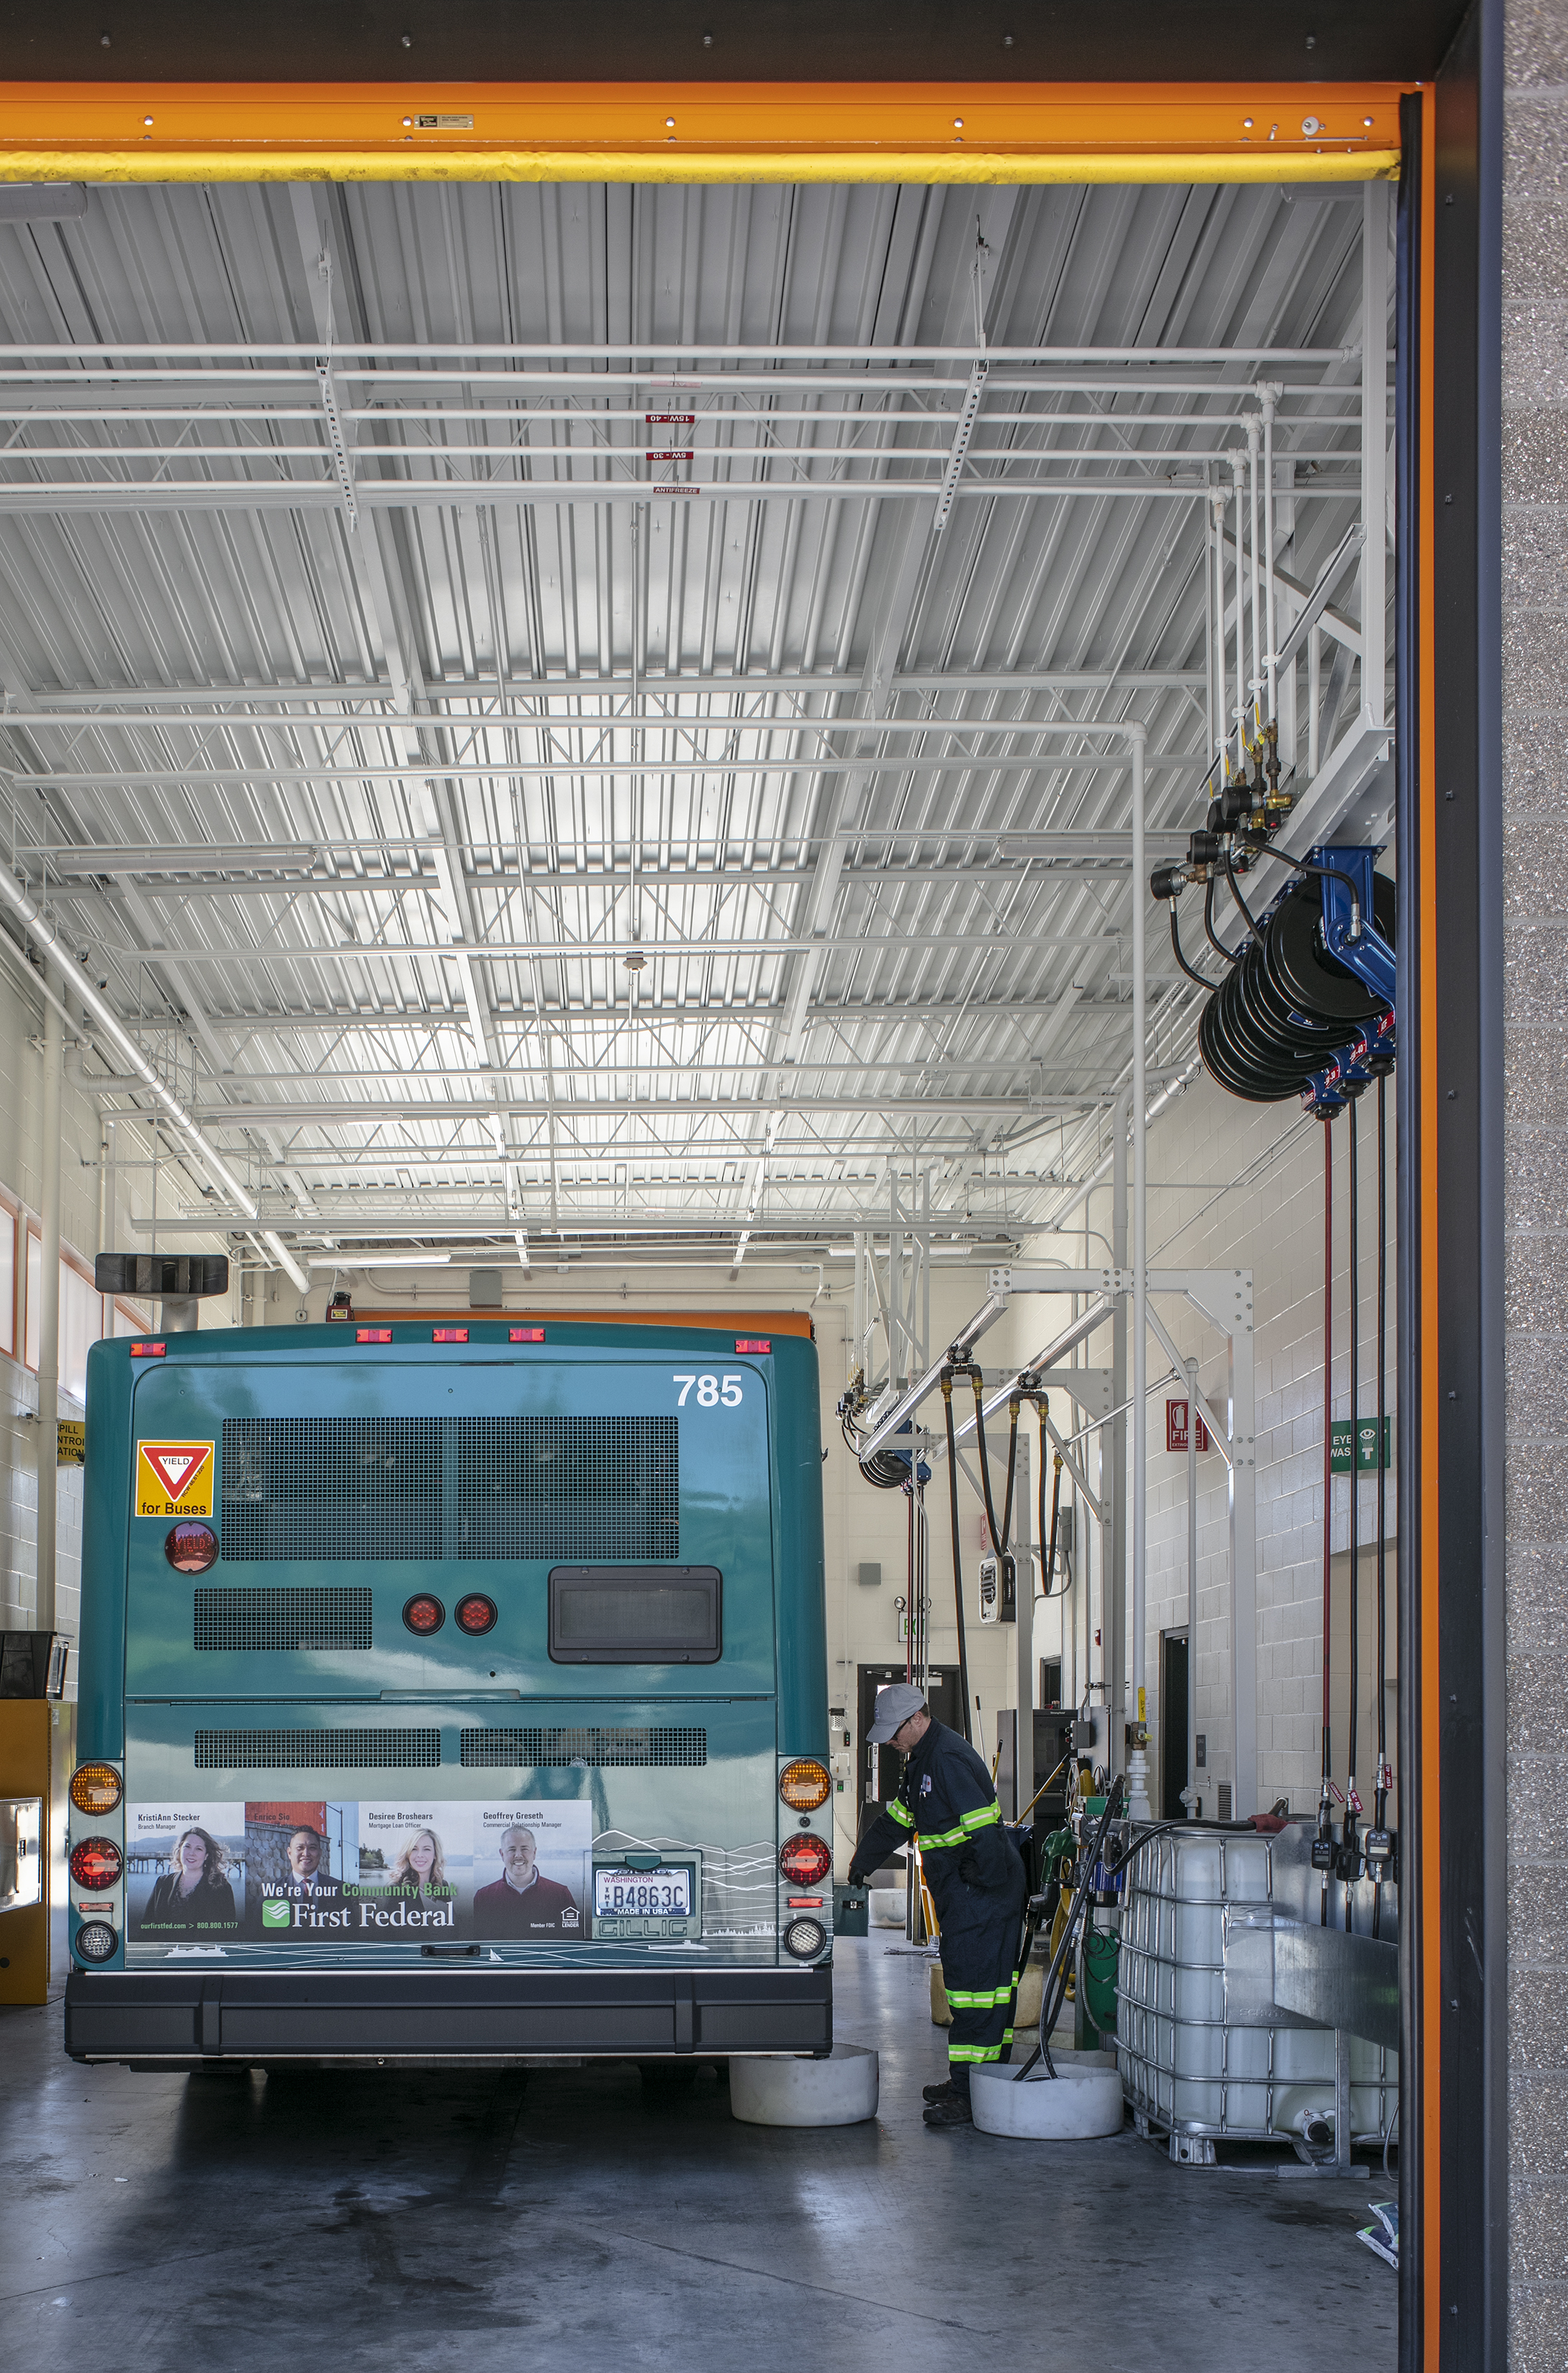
1175 1415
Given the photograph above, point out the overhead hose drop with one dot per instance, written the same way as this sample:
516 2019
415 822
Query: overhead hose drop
999 1534
1323 1844
1350 1853
1380 1844
947 1373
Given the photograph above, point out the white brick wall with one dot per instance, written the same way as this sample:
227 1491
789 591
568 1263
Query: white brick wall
1236 1185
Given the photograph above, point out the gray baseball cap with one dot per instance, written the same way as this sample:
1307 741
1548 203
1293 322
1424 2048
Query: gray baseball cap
894 1707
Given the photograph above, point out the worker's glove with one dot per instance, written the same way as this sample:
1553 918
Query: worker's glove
969 1867
857 1875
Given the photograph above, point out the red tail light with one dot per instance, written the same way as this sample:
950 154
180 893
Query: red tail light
96 1864
424 1614
476 1613
804 1859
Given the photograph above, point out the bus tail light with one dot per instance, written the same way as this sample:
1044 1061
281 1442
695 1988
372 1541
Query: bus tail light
476 1613
804 1938
804 1859
805 1783
96 1941
423 1613
96 1865
96 1789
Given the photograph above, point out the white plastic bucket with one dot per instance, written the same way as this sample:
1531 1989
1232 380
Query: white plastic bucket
1078 2105
777 2089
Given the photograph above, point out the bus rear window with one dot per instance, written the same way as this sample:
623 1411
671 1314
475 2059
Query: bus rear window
635 1614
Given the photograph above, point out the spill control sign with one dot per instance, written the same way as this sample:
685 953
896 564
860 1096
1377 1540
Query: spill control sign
174 1479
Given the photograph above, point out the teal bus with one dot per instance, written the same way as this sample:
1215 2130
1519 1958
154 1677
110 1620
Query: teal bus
455 1687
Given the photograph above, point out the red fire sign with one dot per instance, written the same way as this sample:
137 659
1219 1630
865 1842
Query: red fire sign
1175 1428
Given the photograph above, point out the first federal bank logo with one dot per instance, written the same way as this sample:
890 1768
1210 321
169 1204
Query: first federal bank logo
276 1913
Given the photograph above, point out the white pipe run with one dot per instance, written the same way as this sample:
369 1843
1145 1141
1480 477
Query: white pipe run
49 1323
40 928
1137 1761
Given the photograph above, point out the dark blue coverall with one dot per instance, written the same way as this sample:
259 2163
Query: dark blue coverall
977 1886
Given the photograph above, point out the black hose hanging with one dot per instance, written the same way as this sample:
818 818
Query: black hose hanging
957 1553
1000 1535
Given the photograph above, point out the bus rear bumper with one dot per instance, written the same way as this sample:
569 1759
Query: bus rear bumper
261 2017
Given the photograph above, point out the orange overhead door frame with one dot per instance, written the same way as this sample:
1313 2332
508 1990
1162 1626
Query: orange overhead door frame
973 132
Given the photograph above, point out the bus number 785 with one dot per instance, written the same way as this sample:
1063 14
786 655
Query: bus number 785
711 1390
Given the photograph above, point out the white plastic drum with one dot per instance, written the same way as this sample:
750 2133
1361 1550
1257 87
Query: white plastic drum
777 2089
1076 2105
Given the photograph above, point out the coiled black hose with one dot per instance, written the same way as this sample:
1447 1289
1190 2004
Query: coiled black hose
1286 1006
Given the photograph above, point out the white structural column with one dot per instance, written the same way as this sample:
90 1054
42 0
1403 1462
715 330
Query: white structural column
49 1318
1137 1760
1375 204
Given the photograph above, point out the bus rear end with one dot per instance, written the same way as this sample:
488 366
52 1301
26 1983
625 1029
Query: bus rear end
452 1690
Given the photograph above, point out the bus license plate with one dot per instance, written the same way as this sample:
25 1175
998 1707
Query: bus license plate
642 1894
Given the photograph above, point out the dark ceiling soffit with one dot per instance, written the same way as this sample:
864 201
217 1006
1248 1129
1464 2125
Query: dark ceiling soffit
758 40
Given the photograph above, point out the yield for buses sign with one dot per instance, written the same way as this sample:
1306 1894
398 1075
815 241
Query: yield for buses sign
174 1479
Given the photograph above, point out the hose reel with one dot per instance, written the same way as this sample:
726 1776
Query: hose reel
1306 1008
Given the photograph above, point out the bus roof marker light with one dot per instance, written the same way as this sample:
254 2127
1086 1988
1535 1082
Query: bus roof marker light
448 1334
753 1343
805 1783
372 1334
424 1614
96 1789
527 1334
147 1350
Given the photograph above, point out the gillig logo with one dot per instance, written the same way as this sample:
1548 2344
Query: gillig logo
174 1479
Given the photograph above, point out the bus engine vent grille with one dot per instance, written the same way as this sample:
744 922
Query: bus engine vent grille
287 1622
314 1750
568 1487
374 1489
599 1744
308 1489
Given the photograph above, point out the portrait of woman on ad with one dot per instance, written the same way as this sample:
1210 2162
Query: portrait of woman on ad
421 1869
194 1892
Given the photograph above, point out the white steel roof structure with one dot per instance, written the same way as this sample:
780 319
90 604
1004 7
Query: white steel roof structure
529 703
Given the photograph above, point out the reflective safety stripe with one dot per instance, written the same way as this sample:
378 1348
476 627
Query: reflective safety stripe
899 1814
1006 2035
981 1819
974 2052
982 1998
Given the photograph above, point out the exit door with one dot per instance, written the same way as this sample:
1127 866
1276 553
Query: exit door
1173 1725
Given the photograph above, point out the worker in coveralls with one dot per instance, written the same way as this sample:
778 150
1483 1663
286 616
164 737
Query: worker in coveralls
976 1878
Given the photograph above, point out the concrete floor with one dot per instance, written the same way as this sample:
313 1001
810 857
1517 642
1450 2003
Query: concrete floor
578 2220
